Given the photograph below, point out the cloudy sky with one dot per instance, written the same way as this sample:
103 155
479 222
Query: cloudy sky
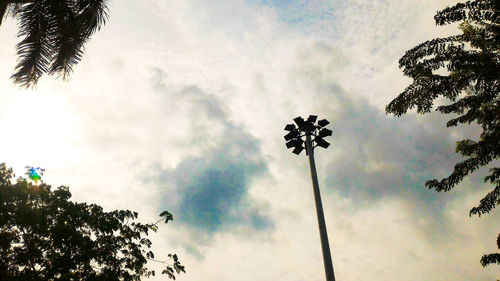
181 105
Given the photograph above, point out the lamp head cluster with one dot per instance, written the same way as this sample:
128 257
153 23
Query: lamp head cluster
303 128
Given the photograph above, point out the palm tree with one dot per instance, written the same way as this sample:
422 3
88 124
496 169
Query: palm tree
53 33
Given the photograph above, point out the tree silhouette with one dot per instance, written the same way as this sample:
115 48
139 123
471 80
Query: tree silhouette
53 34
465 69
44 236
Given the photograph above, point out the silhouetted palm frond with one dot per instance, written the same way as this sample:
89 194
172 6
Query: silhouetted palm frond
53 35
3 10
35 50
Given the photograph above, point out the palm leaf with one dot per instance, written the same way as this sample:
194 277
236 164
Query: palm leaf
67 36
53 34
93 14
35 50
3 10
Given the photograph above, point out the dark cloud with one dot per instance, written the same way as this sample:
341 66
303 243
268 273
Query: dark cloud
378 156
211 188
387 156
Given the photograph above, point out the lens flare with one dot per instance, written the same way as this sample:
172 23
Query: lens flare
35 174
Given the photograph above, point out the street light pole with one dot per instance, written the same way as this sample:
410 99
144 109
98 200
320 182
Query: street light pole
309 129
325 246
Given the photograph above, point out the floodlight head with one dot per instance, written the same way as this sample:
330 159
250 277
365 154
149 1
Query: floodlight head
289 127
312 118
309 127
299 121
291 135
325 132
323 122
300 142
291 143
298 150
321 142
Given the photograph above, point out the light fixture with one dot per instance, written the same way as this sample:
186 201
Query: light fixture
323 122
324 132
313 133
321 142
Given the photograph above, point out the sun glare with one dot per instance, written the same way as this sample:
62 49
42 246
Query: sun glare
39 130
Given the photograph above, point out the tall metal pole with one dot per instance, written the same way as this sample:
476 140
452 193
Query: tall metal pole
309 128
325 246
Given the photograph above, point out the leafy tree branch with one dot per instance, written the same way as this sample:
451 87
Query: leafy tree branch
45 236
465 69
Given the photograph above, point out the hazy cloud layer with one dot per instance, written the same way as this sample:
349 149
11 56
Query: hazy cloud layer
181 105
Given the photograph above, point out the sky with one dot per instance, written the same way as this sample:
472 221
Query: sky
181 105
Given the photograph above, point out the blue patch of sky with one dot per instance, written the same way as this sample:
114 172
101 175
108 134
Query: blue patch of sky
305 15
